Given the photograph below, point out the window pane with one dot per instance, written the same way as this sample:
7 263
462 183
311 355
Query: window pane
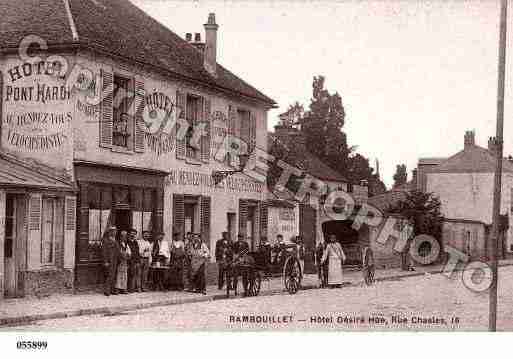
94 225
146 222
137 221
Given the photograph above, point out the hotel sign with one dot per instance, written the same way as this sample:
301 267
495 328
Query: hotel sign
36 113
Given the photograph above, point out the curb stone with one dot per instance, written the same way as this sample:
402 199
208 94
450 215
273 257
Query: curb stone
28 319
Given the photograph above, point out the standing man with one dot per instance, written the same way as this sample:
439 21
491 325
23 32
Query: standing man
187 282
134 265
145 248
242 262
223 258
110 251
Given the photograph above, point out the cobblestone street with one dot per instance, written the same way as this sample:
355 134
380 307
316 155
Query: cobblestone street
429 302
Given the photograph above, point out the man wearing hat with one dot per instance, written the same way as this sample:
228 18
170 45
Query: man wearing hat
134 263
223 257
111 253
145 248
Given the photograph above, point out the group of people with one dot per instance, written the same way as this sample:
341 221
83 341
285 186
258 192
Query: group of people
329 258
138 264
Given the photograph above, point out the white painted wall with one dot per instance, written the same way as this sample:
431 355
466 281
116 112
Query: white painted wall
470 195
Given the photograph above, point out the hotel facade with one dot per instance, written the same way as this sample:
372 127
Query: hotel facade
95 117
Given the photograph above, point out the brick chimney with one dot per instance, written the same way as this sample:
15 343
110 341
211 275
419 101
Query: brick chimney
469 139
210 58
492 145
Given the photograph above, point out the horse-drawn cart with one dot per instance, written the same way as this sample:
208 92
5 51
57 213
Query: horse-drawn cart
263 265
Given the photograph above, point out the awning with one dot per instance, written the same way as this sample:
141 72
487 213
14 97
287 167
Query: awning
24 173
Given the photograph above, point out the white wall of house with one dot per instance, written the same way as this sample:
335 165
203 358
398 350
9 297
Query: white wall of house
470 196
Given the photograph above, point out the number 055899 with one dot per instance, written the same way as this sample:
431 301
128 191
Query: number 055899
31 345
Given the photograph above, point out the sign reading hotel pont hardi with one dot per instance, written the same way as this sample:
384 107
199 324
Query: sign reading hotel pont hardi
36 116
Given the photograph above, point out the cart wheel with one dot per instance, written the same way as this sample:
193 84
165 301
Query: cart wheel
368 266
257 283
292 275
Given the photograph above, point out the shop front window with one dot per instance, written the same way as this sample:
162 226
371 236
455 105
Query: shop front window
100 218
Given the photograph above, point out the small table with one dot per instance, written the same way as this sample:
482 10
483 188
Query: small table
159 276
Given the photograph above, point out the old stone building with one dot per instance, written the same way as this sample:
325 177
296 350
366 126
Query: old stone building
108 96
464 184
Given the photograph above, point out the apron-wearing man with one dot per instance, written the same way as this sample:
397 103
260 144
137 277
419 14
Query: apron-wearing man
336 256
199 256
145 248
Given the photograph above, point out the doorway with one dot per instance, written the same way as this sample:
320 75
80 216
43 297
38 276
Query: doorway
250 227
231 226
9 246
122 219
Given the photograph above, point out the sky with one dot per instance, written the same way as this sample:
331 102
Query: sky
413 75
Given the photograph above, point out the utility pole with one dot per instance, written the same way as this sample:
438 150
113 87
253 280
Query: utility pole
492 324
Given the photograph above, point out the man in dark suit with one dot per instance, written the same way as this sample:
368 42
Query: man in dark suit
110 251
223 257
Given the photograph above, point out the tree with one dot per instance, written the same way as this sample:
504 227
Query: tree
401 175
422 210
321 126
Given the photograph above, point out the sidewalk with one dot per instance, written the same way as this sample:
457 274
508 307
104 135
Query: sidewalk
24 310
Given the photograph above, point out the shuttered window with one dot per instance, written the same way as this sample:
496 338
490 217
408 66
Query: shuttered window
181 110
264 215
205 140
139 121
179 213
48 231
106 109
243 213
205 213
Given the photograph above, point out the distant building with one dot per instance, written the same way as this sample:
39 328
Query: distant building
464 183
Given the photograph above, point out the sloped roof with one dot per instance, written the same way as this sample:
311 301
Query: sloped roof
472 159
389 198
309 163
119 28
17 172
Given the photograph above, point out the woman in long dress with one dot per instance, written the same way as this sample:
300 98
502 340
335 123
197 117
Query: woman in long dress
124 256
199 256
177 263
335 257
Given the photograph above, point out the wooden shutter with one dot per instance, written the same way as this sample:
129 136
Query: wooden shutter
252 132
34 232
243 215
205 140
69 231
106 118
179 213
264 216
181 104
205 213
139 121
